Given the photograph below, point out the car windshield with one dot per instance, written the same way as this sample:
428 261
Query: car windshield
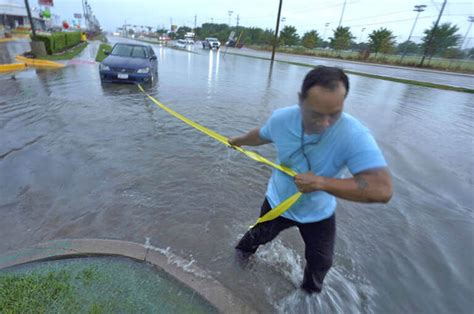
129 51
212 39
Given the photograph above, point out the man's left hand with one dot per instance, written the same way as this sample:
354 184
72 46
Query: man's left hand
308 182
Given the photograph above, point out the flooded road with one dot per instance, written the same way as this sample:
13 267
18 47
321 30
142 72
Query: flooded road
81 160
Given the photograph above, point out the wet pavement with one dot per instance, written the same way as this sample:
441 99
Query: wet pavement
422 75
78 159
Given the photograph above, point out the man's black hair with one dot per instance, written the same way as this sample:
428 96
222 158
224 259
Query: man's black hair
327 77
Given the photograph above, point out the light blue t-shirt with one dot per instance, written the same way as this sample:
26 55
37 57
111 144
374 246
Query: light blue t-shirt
347 143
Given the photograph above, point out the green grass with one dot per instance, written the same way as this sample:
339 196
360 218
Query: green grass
95 285
100 53
42 293
67 55
386 78
455 65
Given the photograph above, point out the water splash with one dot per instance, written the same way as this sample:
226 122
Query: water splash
344 291
283 260
173 259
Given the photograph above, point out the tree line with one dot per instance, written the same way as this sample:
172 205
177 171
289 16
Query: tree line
445 42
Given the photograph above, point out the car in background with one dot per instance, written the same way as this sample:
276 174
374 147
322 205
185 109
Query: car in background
129 63
180 43
189 41
211 43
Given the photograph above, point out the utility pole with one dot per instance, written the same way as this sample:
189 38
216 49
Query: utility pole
195 20
342 13
30 18
87 14
84 13
275 40
470 19
418 9
428 45
238 19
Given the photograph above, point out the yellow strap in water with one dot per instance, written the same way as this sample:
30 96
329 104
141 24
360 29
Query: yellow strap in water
275 212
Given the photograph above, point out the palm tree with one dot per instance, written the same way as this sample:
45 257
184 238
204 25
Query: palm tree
311 39
342 38
289 36
444 37
382 40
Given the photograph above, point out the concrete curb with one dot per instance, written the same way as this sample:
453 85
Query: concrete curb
182 270
6 40
12 67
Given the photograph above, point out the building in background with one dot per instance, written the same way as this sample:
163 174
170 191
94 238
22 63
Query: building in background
13 15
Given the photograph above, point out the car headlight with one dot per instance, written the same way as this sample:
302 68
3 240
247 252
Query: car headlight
104 67
144 70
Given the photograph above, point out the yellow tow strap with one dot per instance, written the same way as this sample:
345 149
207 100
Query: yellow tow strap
275 212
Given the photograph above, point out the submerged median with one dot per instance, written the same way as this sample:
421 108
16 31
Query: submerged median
108 276
95 285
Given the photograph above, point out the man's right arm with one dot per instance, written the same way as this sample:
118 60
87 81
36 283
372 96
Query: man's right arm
252 138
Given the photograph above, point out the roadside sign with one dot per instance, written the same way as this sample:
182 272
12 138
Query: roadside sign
77 15
46 2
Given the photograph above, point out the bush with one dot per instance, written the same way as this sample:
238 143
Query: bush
72 39
60 41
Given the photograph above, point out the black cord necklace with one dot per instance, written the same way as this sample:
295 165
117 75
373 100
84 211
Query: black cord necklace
303 145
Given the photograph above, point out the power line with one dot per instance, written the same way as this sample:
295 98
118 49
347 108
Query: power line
312 8
393 21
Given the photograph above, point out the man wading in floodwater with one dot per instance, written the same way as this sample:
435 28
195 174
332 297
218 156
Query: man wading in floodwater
318 140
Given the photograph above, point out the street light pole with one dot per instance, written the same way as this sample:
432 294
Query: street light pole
28 11
276 32
361 32
470 19
325 29
230 14
342 13
418 8
428 45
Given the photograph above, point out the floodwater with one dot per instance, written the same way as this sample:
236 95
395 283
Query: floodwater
81 160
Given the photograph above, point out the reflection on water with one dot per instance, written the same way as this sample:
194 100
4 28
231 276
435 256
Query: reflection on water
78 159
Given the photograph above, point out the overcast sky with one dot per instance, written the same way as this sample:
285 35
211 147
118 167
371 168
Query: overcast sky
303 14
